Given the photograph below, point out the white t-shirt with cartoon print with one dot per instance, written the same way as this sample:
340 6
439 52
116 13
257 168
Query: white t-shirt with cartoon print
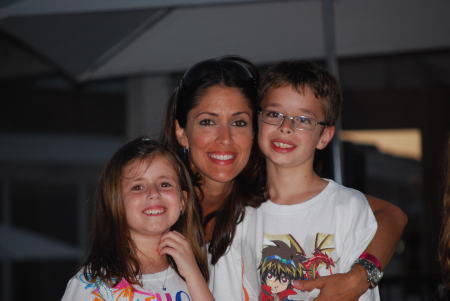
319 237
165 285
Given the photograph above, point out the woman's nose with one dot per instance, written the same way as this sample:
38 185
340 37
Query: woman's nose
224 135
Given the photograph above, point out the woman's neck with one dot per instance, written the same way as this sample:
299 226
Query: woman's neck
214 195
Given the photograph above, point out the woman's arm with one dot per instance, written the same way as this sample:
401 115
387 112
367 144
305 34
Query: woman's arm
391 222
349 286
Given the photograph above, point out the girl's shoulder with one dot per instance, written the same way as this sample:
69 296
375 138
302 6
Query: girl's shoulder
80 287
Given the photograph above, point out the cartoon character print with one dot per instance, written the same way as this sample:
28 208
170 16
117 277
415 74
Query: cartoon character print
284 260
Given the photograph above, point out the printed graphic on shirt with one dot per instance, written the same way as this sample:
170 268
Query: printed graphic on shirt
283 260
124 291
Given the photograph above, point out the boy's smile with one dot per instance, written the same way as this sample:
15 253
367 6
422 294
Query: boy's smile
283 145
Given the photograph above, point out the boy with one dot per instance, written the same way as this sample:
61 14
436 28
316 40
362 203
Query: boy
324 225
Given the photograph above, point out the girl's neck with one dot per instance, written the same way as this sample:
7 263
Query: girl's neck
286 185
150 260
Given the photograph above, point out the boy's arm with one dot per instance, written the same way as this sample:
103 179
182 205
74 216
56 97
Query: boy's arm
351 285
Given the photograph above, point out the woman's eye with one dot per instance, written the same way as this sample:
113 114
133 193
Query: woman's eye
206 122
240 123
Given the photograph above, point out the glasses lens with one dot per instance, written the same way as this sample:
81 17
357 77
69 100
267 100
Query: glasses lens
304 123
272 117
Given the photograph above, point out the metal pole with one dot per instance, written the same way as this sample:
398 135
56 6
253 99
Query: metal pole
6 261
332 65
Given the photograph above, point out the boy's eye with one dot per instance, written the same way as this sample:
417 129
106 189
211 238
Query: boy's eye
283 280
206 122
273 114
269 276
304 120
240 123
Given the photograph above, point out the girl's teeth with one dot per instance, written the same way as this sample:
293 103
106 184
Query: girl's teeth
283 145
153 211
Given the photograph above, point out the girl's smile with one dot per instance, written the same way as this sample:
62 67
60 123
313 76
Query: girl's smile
152 195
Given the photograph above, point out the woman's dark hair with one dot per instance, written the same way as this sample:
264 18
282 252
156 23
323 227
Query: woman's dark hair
113 255
228 71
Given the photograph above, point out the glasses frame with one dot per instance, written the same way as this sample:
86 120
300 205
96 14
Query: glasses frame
284 117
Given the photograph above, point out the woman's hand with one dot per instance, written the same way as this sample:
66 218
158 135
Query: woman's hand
175 244
337 287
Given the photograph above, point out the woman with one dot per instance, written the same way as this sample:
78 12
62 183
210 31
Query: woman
210 122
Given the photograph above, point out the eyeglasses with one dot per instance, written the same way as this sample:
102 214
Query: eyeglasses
298 122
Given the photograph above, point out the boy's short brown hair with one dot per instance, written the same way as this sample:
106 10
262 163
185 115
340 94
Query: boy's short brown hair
300 74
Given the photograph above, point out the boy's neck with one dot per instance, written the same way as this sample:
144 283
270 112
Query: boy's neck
289 186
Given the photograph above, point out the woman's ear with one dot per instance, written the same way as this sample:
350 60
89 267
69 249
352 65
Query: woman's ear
326 136
181 135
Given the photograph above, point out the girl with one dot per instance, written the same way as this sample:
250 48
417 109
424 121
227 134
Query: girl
147 239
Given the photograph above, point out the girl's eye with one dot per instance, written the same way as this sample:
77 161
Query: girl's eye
206 122
240 123
166 185
137 187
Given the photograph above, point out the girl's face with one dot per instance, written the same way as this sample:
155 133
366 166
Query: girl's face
152 196
219 134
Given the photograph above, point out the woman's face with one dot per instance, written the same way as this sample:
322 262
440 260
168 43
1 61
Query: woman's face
218 134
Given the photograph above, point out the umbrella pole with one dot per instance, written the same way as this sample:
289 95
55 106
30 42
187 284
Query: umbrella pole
332 65
6 262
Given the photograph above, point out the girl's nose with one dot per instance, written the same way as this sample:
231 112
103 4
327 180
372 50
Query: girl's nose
153 193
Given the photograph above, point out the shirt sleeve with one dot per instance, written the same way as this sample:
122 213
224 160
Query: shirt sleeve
79 289
359 225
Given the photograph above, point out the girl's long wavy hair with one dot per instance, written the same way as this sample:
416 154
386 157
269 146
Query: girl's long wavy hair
228 71
113 255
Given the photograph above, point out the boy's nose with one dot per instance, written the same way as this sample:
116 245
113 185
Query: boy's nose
287 126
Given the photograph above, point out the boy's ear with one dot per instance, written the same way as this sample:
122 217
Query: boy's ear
181 135
325 138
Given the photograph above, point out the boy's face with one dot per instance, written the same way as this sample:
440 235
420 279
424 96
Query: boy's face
283 145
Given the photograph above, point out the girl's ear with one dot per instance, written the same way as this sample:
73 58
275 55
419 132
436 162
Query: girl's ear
184 197
181 135
326 136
